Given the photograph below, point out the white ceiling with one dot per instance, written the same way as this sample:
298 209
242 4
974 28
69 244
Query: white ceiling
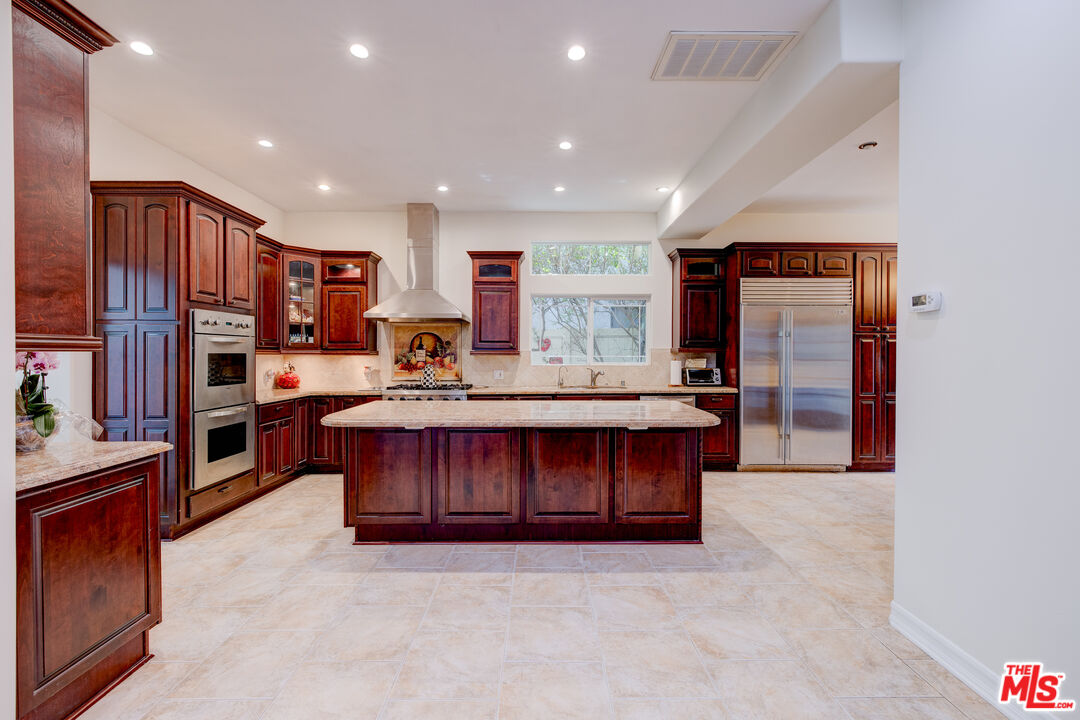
844 178
474 94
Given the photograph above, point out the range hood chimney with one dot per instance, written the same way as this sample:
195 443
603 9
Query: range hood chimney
420 300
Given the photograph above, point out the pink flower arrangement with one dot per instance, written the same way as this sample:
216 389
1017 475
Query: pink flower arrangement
36 362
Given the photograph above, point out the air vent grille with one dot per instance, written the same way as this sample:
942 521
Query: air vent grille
719 55
801 291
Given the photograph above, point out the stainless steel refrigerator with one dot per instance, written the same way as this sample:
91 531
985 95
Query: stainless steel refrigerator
795 371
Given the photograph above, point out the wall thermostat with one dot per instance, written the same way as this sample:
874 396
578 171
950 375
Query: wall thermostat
926 302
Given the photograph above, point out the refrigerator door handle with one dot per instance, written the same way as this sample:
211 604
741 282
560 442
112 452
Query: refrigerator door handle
781 425
788 397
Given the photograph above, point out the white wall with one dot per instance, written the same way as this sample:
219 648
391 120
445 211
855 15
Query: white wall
804 227
987 487
118 152
7 350
385 233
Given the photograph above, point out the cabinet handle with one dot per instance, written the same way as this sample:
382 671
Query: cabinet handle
225 489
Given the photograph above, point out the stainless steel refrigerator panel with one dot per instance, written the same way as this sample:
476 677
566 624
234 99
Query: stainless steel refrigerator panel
761 435
819 385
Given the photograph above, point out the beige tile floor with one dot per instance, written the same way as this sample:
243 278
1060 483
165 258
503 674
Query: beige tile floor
271 613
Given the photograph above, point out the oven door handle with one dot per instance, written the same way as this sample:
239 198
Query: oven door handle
228 341
226 413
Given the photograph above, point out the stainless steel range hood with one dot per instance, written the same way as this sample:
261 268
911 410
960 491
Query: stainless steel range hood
420 300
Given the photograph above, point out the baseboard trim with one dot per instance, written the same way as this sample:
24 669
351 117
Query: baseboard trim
981 679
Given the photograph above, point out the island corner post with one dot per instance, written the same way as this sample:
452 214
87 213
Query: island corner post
524 471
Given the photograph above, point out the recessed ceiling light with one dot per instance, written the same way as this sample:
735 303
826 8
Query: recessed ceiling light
442 188
575 53
559 188
323 186
359 51
663 188
565 145
142 48
868 145
266 143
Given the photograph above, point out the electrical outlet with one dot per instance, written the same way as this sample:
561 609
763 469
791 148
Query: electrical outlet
498 374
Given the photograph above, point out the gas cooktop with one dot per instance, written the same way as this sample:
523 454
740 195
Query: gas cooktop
416 391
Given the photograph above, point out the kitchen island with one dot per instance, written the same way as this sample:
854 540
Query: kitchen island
519 471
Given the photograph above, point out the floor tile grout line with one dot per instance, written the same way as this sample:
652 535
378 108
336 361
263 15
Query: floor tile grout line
599 640
506 639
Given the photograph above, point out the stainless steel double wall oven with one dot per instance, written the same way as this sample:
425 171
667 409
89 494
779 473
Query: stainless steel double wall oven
223 396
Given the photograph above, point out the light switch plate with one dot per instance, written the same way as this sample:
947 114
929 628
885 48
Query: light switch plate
498 374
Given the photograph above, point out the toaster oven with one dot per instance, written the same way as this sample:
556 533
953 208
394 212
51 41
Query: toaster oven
702 376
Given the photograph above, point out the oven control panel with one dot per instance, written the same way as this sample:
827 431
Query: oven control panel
212 322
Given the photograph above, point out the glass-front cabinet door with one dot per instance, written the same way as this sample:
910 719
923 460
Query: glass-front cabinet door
301 304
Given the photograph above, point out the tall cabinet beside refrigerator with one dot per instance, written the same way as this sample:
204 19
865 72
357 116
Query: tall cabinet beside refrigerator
795 371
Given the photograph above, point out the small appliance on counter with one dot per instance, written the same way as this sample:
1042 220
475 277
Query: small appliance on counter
702 376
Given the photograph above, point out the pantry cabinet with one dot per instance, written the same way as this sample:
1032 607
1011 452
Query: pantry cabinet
267 295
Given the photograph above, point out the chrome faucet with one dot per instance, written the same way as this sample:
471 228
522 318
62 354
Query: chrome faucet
561 368
593 374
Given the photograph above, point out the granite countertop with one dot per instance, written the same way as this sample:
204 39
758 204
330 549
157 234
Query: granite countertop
264 396
631 414
601 390
61 461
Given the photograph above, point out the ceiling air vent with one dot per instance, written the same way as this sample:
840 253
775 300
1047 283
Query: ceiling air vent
719 55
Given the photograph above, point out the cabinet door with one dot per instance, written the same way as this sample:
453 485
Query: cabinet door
268 294
268 452
322 451
656 476
114 381
867 291
239 265
568 479
477 475
302 433
157 371
834 264
495 318
718 441
285 446
797 264
866 423
301 302
206 255
88 585
888 291
888 374
114 257
700 317
706 268
343 323
760 263
389 472
158 256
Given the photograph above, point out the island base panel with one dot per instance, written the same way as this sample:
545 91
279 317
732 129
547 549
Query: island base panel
523 485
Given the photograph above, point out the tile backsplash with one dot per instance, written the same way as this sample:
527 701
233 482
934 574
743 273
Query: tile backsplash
362 371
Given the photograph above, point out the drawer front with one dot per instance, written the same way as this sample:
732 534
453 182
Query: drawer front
218 495
716 402
275 411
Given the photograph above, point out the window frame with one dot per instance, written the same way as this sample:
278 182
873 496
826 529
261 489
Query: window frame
590 336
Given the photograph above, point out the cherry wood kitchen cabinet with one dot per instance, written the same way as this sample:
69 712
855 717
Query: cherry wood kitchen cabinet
153 244
267 294
720 443
349 289
300 301
874 402
496 303
51 44
324 448
697 300
302 414
88 586
276 443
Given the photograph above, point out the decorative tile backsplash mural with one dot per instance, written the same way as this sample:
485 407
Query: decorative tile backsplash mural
416 345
